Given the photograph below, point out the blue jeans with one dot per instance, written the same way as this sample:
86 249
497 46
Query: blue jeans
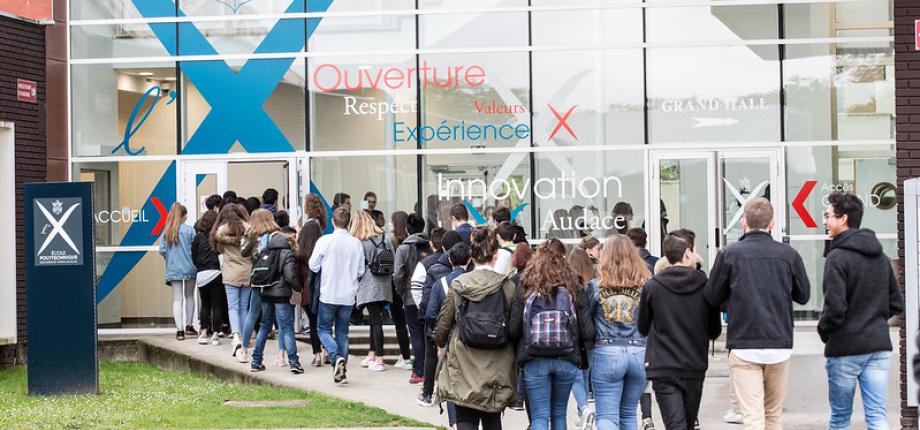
283 314
618 378
549 382
238 306
871 372
580 389
338 315
255 306
417 337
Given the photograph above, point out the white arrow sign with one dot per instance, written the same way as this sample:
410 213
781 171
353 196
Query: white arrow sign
714 122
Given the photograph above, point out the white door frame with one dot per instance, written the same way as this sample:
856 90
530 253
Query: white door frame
714 191
652 227
8 235
187 186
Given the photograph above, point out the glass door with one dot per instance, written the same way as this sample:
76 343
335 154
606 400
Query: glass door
201 179
705 192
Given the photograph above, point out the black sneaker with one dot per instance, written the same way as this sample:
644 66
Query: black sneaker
296 368
189 330
256 367
338 374
424 400
316 362
180 335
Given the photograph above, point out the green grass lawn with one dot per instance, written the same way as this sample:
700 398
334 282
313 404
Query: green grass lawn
135 395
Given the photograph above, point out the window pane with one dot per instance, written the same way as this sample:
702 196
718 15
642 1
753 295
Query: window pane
140 300
242 37
592 193
715 23
829 19
714 94
121 192
473 100
586 27
588 97
356 103
118 9
867 171
487 29
227 110
238 7
122 40
124 110
392 178
481 181
839 92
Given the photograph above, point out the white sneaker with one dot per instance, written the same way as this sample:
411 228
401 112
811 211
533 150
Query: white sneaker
366 362
203 339
242 355
215 340
376 367
733 417
403 364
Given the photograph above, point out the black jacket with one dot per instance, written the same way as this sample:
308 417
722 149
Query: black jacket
678 322
282 291
204 257
861 293
585 332
759 278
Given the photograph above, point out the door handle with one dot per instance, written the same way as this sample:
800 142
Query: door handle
718 238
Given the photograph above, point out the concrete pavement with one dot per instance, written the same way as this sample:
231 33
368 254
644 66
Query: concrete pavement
806 404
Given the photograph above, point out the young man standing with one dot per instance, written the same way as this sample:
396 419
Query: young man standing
505 233
340 256
370 201
679 324
861 293
460 221
270 200
408 254
759 278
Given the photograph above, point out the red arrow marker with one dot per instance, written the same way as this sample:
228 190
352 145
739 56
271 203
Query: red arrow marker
797 204
163 213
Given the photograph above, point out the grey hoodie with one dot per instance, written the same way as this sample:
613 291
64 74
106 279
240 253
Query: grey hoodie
408 254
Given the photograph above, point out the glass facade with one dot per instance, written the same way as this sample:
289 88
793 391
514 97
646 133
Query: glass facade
582 116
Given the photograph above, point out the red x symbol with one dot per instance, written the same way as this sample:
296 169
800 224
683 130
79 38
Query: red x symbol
562 122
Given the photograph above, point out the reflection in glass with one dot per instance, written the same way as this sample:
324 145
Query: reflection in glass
684 200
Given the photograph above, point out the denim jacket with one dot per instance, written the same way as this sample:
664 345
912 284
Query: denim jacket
616 315
179 265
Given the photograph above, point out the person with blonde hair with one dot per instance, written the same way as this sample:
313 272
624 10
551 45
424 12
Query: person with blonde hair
618 357
375 291
255 239
176 248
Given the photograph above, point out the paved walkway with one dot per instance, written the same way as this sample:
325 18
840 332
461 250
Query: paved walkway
806 403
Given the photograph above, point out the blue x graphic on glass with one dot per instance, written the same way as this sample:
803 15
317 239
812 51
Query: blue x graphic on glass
236 98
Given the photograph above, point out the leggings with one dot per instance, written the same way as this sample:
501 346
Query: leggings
183 290
398 313
376 311
212 310
314 332
469 419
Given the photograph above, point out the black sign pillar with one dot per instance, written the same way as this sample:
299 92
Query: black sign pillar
61 288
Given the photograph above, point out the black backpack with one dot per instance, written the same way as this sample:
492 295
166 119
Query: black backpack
382 259
266 270
484 324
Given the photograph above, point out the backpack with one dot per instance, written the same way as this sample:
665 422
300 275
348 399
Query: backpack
381 262
266 270
550 325
484 324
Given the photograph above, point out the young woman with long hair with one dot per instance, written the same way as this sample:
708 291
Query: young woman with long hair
618 356
226 238
374 291
255 239
209 282
313 226
176 248
550 289
486 386
399 231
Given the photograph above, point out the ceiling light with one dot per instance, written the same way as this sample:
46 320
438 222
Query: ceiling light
145 74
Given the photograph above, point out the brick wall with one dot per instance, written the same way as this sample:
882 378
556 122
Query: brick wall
907 96
22 56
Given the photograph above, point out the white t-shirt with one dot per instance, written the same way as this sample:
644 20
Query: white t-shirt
503 264
763 356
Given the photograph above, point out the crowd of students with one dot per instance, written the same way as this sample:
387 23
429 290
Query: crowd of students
484 322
